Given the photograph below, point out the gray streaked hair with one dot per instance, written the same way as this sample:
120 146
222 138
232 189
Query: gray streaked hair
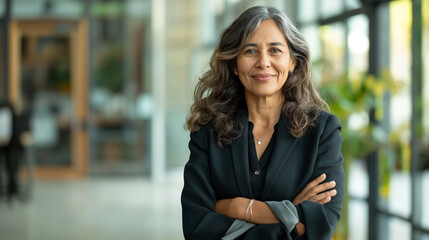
219 95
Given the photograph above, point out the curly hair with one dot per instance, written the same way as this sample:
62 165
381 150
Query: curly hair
219 95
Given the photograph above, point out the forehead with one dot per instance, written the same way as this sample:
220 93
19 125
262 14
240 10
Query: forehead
267 32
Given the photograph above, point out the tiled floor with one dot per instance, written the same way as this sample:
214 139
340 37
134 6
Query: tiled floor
96 209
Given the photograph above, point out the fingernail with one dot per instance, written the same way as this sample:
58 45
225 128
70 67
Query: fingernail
332 183
334 191
323 175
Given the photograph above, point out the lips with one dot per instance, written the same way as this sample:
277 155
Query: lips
263 77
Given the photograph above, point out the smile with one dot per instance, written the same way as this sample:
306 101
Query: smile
263 77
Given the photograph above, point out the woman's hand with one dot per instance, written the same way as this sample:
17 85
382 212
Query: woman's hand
315 191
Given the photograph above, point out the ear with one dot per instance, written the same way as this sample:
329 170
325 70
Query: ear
235 71
292 64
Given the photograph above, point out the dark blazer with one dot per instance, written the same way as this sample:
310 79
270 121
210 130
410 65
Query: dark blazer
214 173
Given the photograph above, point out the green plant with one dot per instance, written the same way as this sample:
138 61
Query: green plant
358 103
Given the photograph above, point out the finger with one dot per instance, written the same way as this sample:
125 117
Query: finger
315 182
323 187
325 200
323 196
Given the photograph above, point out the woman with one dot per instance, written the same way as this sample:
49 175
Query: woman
265 158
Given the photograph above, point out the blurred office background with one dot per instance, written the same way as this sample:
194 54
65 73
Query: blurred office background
101 89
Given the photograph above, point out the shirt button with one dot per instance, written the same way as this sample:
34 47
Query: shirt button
256 173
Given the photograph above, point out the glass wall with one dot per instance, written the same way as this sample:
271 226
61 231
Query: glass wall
375 108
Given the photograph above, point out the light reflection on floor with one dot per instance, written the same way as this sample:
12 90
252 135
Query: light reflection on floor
97 208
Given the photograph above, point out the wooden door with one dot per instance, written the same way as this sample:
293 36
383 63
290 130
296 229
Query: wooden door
49 78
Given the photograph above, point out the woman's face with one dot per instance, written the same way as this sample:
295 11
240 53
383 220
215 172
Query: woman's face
264 63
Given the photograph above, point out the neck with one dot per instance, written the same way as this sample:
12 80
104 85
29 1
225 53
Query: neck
264 111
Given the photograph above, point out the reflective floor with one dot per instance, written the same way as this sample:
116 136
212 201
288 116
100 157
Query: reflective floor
96 208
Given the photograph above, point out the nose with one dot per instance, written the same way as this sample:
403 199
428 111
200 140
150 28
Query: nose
263 60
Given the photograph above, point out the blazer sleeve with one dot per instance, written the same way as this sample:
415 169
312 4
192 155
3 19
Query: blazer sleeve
320 219
198 199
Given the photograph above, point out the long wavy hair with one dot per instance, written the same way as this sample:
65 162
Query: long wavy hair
219 94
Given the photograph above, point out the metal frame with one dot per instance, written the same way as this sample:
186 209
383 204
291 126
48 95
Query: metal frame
416 121
373 197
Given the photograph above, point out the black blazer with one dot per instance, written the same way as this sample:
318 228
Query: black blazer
214 173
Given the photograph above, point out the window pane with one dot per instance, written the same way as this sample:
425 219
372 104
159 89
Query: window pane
358 45
329 8
333 51
307 10
358 179
424 236
358 220
395 229
353 4
27 8
311 35
68 8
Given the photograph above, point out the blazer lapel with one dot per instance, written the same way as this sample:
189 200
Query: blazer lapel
285 142
240 157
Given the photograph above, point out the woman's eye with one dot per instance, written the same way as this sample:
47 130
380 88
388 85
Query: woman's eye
250 51
275 50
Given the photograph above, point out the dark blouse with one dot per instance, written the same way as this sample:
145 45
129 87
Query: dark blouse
258 168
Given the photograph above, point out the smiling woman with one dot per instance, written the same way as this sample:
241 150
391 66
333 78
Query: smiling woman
265 157
264 63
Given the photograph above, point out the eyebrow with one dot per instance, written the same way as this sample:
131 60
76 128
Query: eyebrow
271 44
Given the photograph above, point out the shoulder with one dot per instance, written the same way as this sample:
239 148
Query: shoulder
205 129
326 119
203 134
326 123
328 126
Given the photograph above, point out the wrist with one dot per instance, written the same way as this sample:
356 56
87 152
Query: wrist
239 207
249 211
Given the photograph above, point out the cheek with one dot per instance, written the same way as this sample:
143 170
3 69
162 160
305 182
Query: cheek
283 70
242 67
239 63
